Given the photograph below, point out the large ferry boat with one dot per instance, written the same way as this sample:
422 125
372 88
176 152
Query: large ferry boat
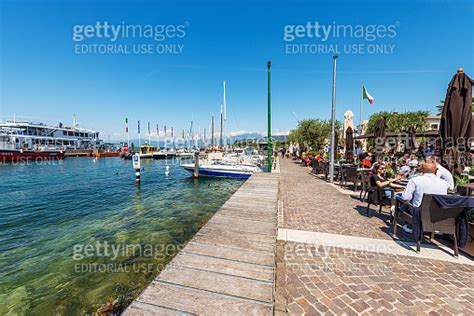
24 140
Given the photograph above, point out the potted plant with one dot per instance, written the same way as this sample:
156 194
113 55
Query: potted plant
461 180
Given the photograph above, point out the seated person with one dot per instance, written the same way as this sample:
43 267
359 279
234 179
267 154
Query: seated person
442 172
413 165
375 165
412 160
404 168
378 179
427 183
366 162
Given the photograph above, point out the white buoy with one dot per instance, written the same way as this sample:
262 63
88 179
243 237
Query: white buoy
167 172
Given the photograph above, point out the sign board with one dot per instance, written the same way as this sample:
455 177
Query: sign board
136 161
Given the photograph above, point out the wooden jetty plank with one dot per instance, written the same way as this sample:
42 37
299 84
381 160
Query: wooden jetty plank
241 255
173 297
221 230
260 215
224 266
248 214
228 266
244 224
235 242
219 283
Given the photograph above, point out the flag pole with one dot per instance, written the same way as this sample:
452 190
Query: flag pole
139 135
360 116
128 135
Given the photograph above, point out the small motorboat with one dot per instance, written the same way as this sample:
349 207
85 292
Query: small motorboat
164 154
185 155
223 169
146 151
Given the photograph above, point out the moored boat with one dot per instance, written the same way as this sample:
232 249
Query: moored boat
146 151
164 154
106 154
222 169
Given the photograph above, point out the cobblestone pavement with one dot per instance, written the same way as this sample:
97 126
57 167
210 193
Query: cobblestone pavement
309 203
340 281
316 280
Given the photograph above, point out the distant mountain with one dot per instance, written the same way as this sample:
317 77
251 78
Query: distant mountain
249 136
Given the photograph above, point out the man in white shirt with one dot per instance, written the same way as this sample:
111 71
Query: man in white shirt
442 172
428 183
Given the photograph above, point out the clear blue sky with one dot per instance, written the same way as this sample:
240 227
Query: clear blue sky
43 79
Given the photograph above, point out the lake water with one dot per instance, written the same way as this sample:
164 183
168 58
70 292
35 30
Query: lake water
76 234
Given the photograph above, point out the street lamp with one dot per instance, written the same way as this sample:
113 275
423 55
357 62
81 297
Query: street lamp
269 134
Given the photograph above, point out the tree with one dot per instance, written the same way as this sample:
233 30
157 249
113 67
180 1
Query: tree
400 122
312 132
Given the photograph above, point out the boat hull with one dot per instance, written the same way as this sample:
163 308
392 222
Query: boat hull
105 155
223 173
29 155
163 155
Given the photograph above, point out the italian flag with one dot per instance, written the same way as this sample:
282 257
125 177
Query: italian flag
366 95
126 125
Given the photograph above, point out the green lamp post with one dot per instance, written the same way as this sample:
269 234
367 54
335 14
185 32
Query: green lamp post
269 134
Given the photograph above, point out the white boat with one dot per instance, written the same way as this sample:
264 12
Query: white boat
223 169
185 155
28 135
164 154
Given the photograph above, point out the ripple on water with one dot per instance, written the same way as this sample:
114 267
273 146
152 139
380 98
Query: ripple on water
49 210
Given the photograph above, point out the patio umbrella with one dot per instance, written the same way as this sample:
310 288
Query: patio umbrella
411 141
456 128
349 143
379 136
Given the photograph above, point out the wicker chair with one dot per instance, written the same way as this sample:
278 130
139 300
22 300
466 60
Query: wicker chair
317 166
376 196
364 184
434 219
350 174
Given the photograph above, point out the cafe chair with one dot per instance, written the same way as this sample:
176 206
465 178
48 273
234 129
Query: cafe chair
434 220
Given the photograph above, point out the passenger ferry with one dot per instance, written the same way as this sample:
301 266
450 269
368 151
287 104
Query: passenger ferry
25 140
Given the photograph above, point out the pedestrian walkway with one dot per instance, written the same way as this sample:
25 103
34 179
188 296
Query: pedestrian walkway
333 259
228 267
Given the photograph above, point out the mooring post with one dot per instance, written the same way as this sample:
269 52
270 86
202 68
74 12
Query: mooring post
196 165
137 167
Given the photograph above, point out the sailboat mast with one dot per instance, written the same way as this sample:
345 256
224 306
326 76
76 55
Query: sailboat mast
212 130
221 127
225 116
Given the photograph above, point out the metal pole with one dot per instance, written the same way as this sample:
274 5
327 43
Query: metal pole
269 134
360 106
212 131
333 122
221 141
